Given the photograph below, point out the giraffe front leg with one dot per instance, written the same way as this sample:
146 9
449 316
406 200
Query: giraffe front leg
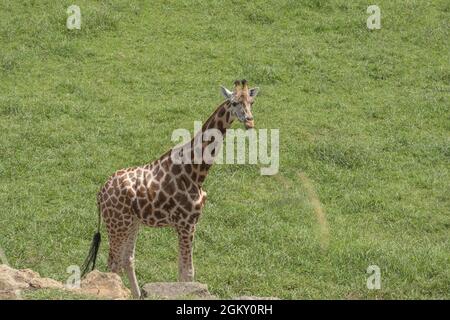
185 262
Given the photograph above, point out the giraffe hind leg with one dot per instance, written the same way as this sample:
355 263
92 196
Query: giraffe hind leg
128 251
122 233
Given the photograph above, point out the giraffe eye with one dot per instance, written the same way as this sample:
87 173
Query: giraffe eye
234 104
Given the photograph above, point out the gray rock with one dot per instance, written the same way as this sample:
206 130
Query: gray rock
255 298
176 290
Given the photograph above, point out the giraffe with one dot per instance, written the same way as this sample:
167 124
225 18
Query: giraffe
163 194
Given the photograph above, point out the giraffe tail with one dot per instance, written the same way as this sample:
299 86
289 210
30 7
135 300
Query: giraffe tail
93 251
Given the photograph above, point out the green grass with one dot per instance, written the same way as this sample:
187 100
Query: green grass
363 114
52 294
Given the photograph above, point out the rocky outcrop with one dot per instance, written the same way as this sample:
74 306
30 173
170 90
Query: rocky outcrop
9 295
12 280
97 284
104 286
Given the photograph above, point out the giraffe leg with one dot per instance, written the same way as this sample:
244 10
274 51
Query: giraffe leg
128 259
185 262
115 244
122 233
114 263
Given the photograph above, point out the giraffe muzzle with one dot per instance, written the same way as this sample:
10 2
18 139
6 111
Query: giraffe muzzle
249 124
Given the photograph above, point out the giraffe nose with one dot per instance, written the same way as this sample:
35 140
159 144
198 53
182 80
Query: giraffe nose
248 118
249 124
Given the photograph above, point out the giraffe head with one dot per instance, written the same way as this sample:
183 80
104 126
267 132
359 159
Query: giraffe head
241 100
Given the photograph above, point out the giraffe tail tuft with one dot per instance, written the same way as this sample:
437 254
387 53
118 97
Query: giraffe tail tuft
92 256
95 245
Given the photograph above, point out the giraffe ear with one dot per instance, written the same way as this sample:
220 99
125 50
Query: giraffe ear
226 93
253 92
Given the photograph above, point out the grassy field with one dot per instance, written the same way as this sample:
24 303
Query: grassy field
364 135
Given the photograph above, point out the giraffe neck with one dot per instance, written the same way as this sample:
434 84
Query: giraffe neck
221 119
